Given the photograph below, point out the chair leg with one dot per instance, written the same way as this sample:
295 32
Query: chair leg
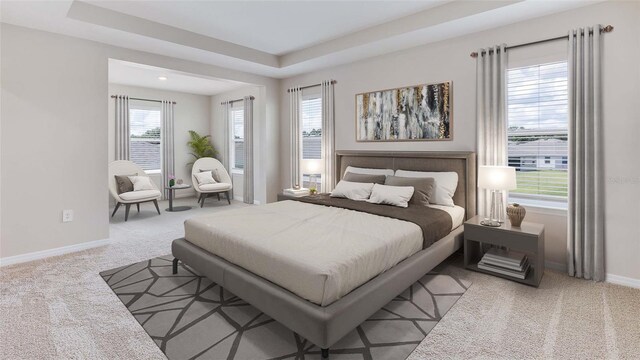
175 266
325 353
218 196
138 206
228 193
155 202
199 198
126 211
116 209
204 196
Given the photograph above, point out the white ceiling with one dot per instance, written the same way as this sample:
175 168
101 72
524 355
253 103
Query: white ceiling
273 38
127 73
275 27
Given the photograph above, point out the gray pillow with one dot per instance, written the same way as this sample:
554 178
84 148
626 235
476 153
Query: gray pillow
423 188
214 173
364 178
123 183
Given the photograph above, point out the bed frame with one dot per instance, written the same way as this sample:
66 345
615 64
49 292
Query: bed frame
325 325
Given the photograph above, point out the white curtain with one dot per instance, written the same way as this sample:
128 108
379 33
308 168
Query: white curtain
247 194
296 136
585 241
491 66
122 127
226 155
168 156
328 136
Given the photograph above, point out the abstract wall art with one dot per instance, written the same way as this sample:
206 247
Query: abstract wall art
414 113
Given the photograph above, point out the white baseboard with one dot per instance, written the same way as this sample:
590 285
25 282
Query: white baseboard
622 280
610 278
37 255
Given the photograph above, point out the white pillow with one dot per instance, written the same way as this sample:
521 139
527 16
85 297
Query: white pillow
365 171
445 186
141 183
205 177
352 190
391 195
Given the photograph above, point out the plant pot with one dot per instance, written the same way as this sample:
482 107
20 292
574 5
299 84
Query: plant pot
172 182
516 214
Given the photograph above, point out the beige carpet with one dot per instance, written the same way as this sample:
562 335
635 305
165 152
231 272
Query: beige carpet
61 308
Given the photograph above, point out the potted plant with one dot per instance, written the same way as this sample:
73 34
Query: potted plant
200 146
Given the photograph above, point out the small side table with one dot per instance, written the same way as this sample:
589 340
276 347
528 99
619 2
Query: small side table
171 190
528 239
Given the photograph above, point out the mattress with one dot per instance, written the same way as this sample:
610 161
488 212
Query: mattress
301 246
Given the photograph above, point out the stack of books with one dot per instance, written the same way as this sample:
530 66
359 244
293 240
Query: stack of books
296 192
509 263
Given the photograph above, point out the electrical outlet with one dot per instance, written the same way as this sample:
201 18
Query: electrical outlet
67 215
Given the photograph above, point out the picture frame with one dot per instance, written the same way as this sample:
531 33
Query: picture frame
412 113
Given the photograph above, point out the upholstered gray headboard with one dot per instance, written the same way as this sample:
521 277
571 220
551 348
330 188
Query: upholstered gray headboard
462 162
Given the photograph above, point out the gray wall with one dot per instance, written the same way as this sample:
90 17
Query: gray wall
54 144
449 60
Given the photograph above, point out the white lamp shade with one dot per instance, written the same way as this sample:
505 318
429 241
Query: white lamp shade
311 166
497 177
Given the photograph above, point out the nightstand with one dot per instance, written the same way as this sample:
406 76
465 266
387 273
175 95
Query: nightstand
282 197
528 239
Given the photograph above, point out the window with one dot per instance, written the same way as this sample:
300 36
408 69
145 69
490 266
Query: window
538 133
237 139
145 147
311 127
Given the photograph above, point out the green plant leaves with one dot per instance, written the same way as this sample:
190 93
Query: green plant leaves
200 146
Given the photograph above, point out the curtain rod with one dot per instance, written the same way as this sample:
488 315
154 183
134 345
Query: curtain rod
236 100
132 98
333 82
605 29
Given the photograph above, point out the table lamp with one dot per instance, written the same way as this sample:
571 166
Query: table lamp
312 167
496 179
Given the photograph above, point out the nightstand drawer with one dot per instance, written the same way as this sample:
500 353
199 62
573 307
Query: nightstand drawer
495 236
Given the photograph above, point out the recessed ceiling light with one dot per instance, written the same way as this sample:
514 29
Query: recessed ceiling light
163 78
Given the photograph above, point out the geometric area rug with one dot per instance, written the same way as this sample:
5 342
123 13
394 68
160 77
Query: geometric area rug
190 317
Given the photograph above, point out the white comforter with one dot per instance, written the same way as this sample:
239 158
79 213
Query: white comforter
319 253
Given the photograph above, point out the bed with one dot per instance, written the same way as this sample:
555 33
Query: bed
324 291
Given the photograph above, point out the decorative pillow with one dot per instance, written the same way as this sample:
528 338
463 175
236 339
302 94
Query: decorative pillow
446 184
214 173
391 195
423 188
352 190
141 183
365 171
363 178
205 177
123 183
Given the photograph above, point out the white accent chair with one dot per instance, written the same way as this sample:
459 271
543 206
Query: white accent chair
128 168
206 190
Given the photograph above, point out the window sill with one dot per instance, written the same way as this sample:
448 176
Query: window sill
237 171
545 207
153 172
535 209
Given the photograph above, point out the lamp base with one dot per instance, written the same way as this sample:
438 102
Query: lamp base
492 223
